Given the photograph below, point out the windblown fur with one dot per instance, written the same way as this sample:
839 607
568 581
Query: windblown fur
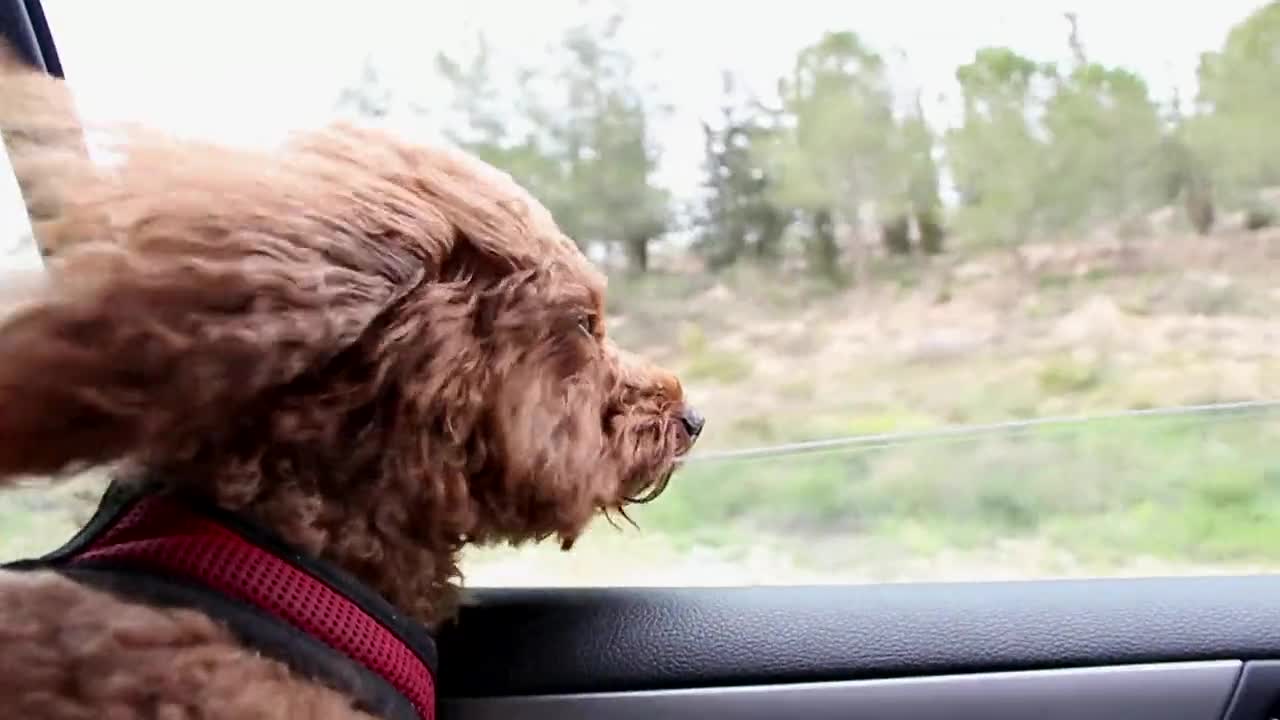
380 351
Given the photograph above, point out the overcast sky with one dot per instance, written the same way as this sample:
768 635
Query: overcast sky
249 71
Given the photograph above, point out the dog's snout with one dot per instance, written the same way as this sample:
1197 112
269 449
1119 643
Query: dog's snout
692 421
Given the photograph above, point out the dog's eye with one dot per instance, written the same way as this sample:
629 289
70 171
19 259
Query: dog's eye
587 324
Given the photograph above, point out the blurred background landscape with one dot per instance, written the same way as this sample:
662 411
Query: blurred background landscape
842 236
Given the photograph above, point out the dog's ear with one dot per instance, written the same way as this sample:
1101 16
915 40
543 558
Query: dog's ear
188 282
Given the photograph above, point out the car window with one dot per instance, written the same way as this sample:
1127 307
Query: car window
967 291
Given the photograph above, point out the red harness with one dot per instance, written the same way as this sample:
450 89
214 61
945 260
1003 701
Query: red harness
165 538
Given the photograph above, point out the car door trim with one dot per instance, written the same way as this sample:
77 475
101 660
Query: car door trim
1167 691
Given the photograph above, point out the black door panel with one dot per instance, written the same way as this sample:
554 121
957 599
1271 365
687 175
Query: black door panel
521 642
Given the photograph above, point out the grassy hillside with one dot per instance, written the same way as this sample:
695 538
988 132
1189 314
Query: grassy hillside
1092 328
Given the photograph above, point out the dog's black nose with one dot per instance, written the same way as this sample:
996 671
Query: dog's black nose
693 421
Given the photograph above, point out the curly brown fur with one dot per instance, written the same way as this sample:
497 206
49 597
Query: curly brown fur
70 653
383 352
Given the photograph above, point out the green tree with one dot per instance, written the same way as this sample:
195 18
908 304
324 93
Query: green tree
1185 176
478 106
910 187
368 96
487 119
740 217
1239 101
831 156
1105 139
595 117
575 131
998 159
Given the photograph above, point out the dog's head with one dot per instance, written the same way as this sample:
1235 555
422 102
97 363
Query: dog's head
385 351
506 367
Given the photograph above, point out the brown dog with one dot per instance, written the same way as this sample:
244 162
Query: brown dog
377 352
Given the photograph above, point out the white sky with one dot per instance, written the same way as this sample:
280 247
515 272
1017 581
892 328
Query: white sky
247 71
244 70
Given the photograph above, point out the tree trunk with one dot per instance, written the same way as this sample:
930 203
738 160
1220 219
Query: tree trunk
1200 209
637 249
724 247
824 254
735 243
932 234
896 235
767 245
